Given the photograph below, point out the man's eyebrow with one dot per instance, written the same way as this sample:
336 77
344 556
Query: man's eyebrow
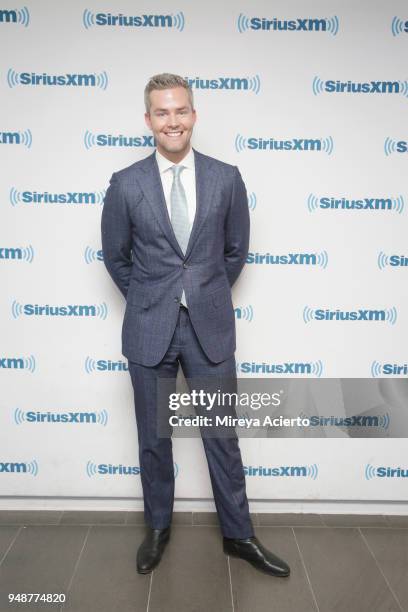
166 109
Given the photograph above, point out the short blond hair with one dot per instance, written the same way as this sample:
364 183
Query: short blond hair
166 80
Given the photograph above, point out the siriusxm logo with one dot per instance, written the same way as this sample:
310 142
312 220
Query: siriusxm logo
313 368
295 144
108 140
105 365
18 363
395 146
174 21
388 369
20 16
399 26
91 255
235 83
388 315
45 197
60 80
88 418
251 201
17 138
303 471
382 421
108 469
299 24
22 467
70 310
246 313
20 253
394 261
384 472
296 259
373 204
370 87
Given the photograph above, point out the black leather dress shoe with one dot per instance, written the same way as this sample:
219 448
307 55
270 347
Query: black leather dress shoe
257 555
151 549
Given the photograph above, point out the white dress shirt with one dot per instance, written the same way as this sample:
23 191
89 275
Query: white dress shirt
187 178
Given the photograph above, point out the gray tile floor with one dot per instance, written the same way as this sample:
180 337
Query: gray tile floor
339 563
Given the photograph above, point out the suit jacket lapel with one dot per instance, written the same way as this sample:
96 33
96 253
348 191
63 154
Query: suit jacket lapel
205 186
153 190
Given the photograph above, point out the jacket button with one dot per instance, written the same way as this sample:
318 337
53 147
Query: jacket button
177 299
185 266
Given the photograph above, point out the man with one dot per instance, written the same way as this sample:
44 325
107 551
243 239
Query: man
175 235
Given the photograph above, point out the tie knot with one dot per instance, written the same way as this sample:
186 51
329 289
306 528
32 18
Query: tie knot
176 170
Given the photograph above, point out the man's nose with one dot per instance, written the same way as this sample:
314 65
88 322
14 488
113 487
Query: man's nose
172 120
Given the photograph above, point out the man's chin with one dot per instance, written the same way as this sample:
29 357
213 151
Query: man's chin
176 147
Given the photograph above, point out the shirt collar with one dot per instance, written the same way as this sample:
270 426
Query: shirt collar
165 164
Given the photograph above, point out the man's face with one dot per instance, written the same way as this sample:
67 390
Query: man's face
171 120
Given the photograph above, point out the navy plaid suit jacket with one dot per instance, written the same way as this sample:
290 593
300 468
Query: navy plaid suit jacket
146 263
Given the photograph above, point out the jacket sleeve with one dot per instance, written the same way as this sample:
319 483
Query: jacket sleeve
237 226
117 235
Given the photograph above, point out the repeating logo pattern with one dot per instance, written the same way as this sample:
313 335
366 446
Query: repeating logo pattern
303 471
104 365
23 138
300 24
91 255
388 369
310 368
383 260
175 21
67 310
398 26
244 313
320 86
93 469
22 467
82 418
324 145
388 315
320 259
227 83
18 253
109 140
46 198
371 472
18 363
252 201
392 204
20 16
395 146
93 79
381 421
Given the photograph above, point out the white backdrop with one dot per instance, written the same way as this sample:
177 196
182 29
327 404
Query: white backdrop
265 102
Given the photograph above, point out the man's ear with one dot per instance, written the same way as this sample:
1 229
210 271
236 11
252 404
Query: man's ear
147 120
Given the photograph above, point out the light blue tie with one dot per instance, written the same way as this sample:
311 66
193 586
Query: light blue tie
179 214
179 210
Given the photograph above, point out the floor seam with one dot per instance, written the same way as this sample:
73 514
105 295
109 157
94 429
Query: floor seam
306 572
150 590
76 565
379 568
230 581
11 544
